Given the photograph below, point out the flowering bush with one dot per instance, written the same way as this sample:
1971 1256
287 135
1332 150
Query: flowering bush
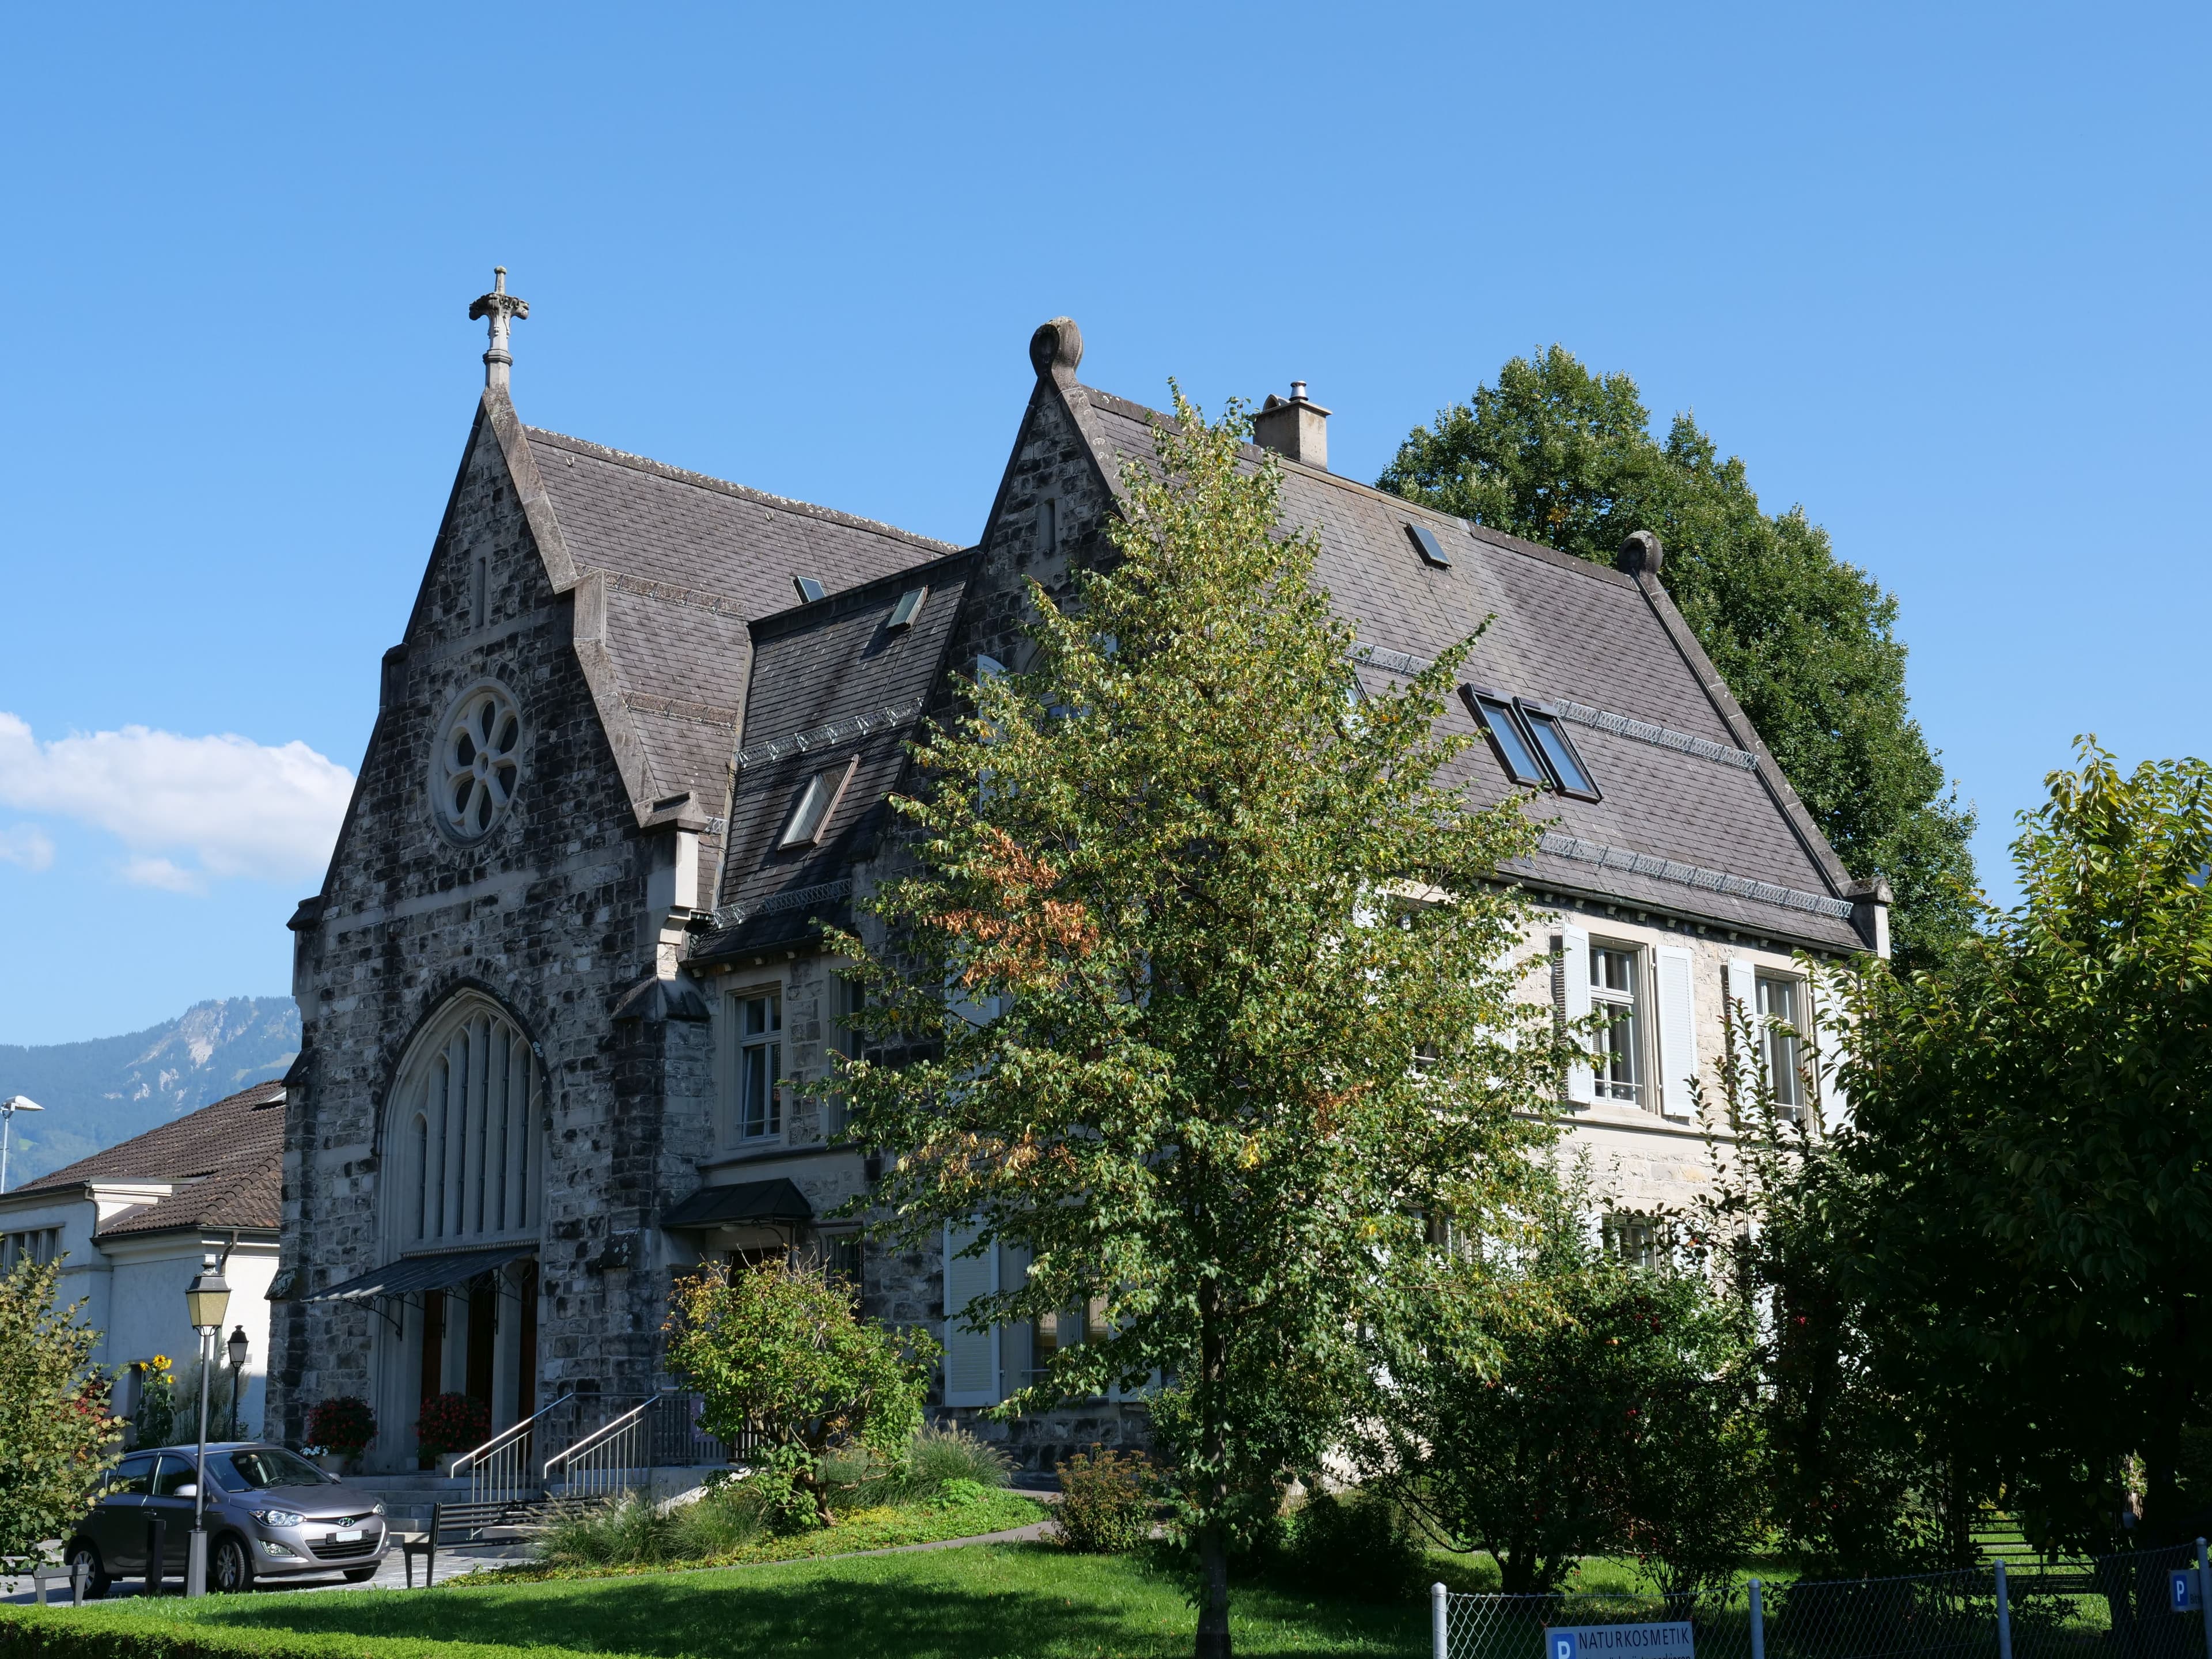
345 1425
156 1417
452 1423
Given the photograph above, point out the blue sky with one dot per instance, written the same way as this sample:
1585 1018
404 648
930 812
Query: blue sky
1936 272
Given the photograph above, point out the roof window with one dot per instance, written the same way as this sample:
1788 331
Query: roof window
817 805
809 589
1517 751
1531 744
1426 545
1569 776
908 608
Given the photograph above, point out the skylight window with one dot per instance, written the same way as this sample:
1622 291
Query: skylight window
1426 545
908 608
809 589
1569 776
1515 752
817 805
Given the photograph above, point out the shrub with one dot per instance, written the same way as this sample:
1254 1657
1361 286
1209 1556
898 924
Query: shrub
635 1531
452 1423
779 1350
1106 1503
54 1426
1354 1544
345 1425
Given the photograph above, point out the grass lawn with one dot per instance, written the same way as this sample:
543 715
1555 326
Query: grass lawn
983 1602
885 1528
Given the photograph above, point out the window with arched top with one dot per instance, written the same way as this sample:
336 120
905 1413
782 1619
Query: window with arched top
469 1153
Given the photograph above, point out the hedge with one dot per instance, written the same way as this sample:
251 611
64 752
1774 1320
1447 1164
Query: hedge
121 1634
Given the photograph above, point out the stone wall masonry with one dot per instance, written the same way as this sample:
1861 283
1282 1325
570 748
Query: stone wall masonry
545 913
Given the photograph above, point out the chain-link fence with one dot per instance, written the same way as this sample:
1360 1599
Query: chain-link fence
2140 1604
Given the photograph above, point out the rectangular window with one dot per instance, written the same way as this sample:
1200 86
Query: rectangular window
1426 545
908 608
816 805
1781 1025
760 1066
1569 776
1617 1050
1047 525
1514 751
809 589
1636 1239
846 998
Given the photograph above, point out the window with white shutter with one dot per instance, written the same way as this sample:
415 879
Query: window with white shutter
971 1357
1570 995
1675 977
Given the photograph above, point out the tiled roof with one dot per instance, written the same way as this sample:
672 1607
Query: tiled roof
831 682
230 1152
1562 629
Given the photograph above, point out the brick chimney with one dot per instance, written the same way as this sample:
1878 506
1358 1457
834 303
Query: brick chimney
1296 428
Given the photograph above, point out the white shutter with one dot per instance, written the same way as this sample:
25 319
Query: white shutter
1016 1347
1570 994
971 1357
1678 1030
1743 986
1835 1036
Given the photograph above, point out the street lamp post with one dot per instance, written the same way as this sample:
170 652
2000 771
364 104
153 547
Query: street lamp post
240 1352
9 1108
207 1299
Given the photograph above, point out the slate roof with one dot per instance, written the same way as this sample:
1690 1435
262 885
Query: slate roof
230 1153
1671 823
832 683
677 564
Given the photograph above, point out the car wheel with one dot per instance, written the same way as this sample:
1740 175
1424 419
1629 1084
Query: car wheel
96 1581
360 1575
230 1571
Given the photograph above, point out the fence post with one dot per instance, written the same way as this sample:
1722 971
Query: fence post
80 1577
2004 1613
1439 1622
1757 1624
2204 1594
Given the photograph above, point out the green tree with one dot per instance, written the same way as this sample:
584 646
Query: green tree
779 1351
2038 1115
1554 1398
1806 641
1231 1010
55 1431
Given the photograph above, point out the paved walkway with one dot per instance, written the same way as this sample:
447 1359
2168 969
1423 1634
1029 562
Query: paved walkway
459 1563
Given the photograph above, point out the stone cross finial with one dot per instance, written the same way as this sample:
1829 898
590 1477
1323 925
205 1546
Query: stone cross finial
500 307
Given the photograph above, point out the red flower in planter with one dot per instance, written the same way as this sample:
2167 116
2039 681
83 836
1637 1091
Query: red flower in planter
345 1425
452 1423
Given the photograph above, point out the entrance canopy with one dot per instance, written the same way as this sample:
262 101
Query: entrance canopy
747 1204
422 1272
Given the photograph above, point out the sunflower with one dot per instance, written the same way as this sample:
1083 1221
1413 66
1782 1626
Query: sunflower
161 1362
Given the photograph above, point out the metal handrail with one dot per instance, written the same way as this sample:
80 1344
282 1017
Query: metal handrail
466 1463
604 1432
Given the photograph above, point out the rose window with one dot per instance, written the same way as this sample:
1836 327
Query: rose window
478 760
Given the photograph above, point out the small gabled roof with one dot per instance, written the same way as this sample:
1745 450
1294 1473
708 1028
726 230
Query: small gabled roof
226 1160
1696 819
835 689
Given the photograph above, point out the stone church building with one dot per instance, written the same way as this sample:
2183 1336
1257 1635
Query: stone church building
634 748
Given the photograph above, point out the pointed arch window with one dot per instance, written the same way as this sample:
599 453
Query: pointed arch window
470 1153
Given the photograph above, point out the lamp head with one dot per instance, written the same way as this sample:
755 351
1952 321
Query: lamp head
207 1298
16 1103
240 1349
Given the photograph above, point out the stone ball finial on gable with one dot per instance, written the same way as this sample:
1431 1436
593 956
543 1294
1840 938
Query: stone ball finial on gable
1641 554
1057 347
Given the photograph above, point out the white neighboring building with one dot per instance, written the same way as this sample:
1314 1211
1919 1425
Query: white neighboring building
132 1222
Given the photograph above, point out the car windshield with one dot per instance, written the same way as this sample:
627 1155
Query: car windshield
263 1466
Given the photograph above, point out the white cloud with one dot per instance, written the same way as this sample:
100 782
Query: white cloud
28 845
236 807
160 872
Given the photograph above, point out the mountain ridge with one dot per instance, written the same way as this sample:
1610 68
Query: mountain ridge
106 1090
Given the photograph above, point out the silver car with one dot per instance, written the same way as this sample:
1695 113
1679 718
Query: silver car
270 1514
